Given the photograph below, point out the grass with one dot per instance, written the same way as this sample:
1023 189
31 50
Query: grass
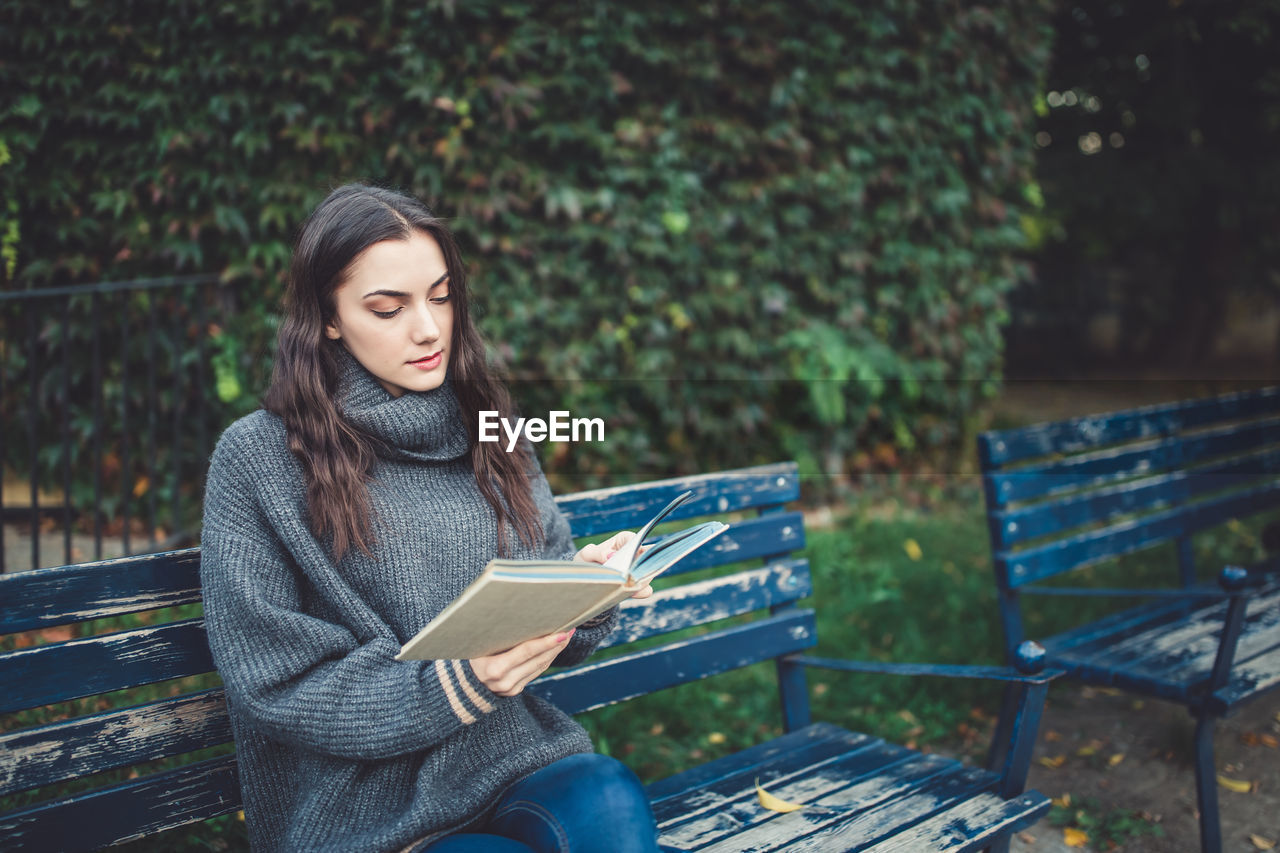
1102 827
895 578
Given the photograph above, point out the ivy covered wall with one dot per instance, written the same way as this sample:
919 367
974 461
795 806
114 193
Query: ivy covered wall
738 231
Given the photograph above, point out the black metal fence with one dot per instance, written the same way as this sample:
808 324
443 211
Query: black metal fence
108 393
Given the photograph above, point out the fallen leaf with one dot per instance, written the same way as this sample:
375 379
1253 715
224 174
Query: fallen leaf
1269 740
716 737
1089 748
1064 801
1052 736
772 803
1261 843
1026 838
1052 763
1115 759
1240 786
1073 837
912 547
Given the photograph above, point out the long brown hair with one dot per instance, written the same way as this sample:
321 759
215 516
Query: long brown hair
337 458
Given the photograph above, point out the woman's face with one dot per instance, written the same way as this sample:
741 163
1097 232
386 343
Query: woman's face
393 313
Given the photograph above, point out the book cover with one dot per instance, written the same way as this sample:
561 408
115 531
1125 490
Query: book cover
516 600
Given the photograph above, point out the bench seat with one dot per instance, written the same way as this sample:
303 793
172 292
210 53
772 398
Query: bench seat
859 793
1089 492
1168 649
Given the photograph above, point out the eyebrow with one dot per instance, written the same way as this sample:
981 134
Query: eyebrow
400 294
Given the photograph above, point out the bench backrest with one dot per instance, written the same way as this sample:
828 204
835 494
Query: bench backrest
1065 495
54 749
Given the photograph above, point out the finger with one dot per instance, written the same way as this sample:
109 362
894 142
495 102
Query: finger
620 539
514 682
494 669
596 553
535 648
643 592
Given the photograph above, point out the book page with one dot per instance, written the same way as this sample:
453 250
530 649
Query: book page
624 559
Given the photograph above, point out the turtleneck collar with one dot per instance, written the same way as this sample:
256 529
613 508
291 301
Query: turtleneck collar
422 426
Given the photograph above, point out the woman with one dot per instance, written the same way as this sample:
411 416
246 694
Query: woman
345 515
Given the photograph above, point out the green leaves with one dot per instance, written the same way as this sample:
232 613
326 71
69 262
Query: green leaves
789 223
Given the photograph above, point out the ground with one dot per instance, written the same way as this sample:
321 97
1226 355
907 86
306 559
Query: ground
1111 751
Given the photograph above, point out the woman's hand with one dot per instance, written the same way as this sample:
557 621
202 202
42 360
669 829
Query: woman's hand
507 673
601 551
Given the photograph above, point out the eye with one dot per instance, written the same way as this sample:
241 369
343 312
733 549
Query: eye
387 315
440 300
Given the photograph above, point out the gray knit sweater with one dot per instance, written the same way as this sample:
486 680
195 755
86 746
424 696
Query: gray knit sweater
340 746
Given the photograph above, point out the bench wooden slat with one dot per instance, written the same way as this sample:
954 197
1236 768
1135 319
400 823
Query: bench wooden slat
736 783
698 810
1084 433
858 816
1148 458
711 600
767 536
79 747
1019 568
54 673
123 812
1134 632
817 740
1248 679
861 780
1188 659
1012 526
946 831
1171 653
605 510
1191 643
57 596
596 685
1121 623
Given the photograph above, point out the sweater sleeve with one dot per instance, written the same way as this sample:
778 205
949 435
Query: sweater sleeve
559 545
304 680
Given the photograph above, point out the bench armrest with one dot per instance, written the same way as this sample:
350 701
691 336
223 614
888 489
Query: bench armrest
1026 686
1028 667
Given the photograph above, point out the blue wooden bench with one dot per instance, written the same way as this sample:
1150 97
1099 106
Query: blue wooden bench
861 793
1073 494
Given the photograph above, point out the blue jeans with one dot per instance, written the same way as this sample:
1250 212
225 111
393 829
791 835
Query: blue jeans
585 803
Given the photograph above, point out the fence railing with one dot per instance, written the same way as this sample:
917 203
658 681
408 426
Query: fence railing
108 420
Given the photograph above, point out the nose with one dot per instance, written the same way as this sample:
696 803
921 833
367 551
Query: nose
425 328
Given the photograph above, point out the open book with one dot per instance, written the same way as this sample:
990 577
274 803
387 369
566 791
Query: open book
517 600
